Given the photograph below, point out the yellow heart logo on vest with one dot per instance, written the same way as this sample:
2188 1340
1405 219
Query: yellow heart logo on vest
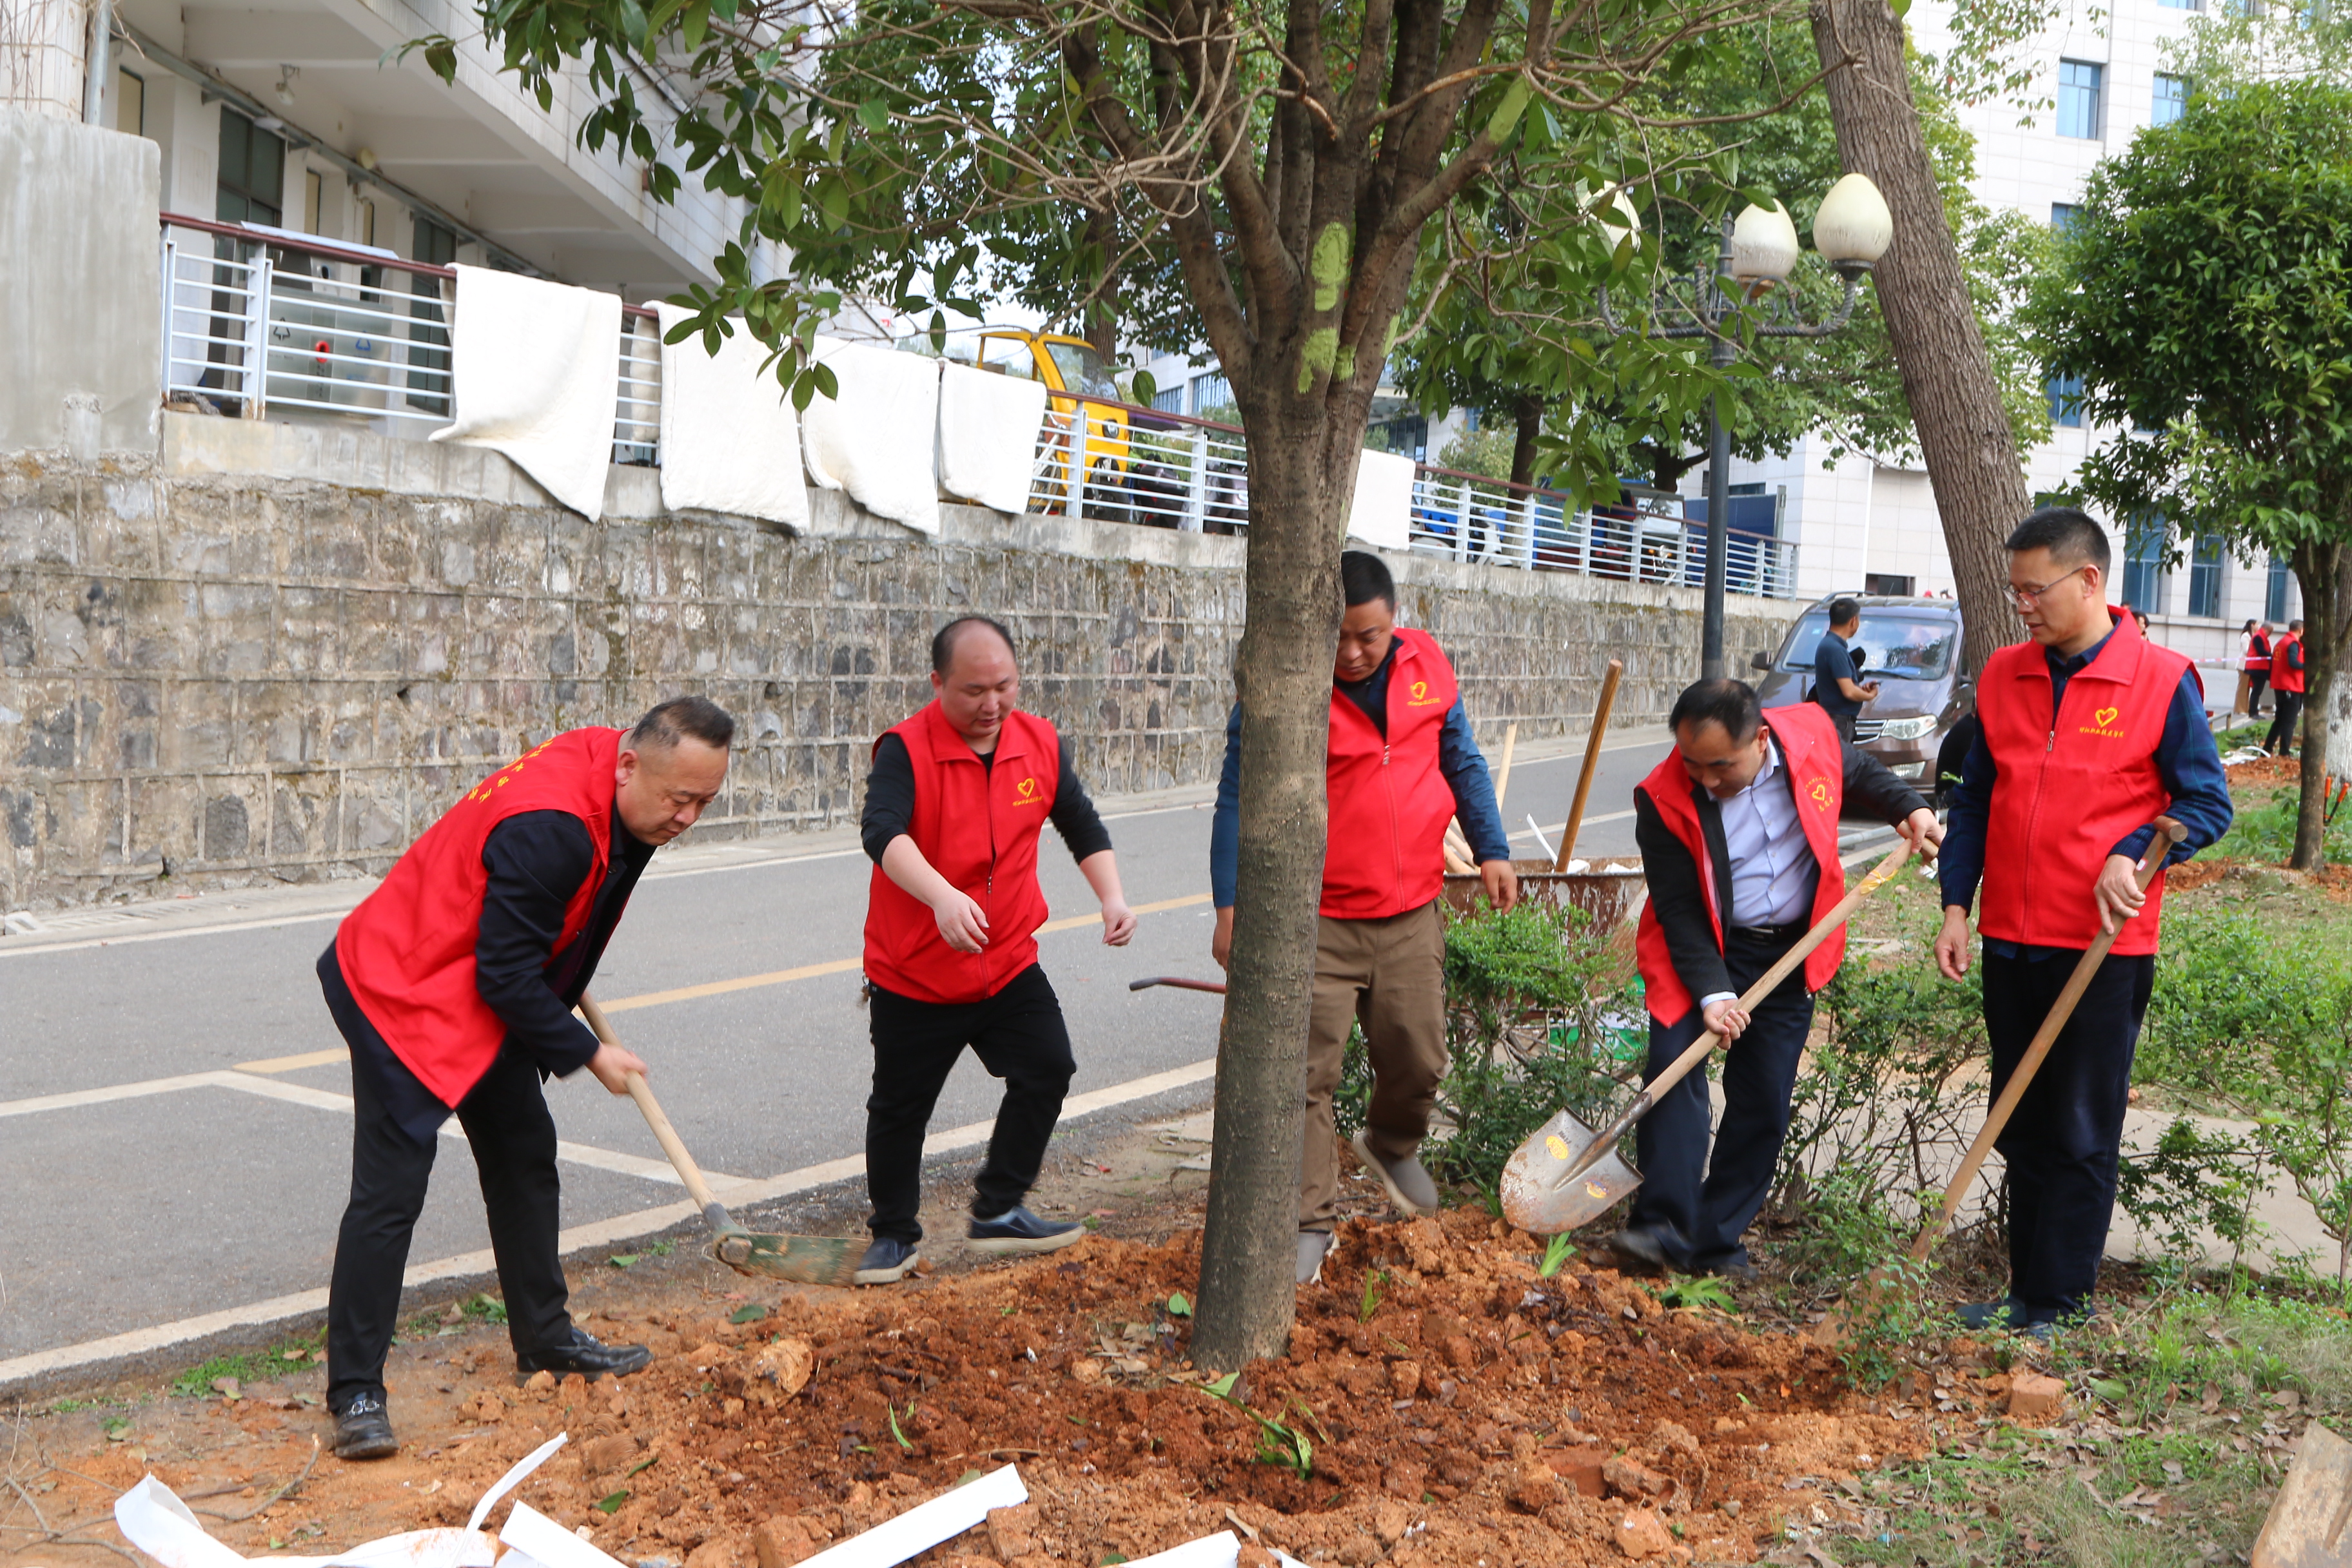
2106 716
1419 690
1820 794
1027 788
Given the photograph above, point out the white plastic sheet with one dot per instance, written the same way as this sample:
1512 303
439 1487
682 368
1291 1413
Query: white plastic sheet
1381 512
154 1519
922 1527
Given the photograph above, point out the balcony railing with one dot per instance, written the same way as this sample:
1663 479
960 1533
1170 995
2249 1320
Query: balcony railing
256 319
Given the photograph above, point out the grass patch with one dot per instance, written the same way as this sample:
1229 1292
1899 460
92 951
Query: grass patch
249 1366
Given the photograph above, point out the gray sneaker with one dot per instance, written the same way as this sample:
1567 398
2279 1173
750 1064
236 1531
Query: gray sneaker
1409 1186
1312 1247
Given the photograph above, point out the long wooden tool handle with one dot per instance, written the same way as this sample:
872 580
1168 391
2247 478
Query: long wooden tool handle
1591 764
1503 773
2167 834
1782 967
1214 987
664 1133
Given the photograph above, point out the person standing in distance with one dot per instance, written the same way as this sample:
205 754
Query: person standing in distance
2088 733
2287 682
1738 833
1401 763
2257 665
955 803
1838 686
453 983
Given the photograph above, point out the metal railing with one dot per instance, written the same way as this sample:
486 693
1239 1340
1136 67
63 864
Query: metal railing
1173 470
256 319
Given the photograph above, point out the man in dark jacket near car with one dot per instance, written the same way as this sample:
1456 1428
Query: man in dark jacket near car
1738 832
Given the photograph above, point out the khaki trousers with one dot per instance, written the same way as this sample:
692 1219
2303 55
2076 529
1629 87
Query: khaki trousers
1388 975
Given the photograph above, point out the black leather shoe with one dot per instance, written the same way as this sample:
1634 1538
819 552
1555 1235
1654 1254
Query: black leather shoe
588 1356
363 1430
1657 1247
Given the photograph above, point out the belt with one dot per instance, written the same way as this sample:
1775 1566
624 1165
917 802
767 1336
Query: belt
1774 933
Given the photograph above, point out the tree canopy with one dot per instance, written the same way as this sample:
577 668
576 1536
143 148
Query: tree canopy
2203 294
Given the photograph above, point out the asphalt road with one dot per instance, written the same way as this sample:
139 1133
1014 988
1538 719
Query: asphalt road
175 1118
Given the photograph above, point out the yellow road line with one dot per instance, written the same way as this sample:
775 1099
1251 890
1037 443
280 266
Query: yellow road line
722 987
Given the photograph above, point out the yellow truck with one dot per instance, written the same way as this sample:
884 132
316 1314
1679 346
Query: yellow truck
1072 372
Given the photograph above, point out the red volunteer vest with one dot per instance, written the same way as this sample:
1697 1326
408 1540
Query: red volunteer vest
1389 799
977 824
407 951
2282 678
2258 657
2067 790
1808 738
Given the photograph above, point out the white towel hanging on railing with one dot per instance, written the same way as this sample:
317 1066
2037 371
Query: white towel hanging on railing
729 440
875 439
1381 513
989 426
535 371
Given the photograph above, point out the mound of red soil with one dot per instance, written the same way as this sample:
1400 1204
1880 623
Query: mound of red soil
1457 1410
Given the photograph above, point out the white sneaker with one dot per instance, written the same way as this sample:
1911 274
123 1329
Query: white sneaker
1312 1247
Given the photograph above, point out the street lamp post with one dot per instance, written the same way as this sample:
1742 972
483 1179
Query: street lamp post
1852 231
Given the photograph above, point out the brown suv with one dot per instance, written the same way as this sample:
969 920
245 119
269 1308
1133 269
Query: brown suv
1911 647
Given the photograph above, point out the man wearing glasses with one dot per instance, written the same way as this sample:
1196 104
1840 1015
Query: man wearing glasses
2088 732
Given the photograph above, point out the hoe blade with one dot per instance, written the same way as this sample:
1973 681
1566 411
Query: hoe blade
2310 1524
1538 1201
803 1260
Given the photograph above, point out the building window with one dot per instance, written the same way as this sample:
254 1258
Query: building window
314 196
2079 94
367 223
252 171
2280 576
2171 99
2182 4
1213 398
429 332
129 103
2066 401
2205 576
1171 401
2062 216
2143 582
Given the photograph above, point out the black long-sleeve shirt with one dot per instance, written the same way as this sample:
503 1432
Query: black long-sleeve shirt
1672 873
890 803
537 861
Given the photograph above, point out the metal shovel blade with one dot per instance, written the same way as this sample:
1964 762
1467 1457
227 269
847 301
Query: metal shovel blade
803 1260
1536 1201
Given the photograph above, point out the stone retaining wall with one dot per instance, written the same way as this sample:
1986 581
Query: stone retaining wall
278 653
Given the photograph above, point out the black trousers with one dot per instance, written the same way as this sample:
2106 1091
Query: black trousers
513 1138
2063 1143
2282 736
1019 1036
1699 1208
2255 680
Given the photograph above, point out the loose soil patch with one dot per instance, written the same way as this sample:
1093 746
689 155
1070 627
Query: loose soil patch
1461 1409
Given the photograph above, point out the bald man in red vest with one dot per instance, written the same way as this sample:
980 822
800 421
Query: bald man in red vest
1739 830
453 983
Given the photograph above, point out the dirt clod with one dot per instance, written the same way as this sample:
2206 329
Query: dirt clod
1642 1534
2034 1397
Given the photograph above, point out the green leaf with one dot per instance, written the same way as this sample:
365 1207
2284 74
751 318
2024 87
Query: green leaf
1178 1307
623 1259
611 1504
875 115
748 1312
643 1465
1223 1387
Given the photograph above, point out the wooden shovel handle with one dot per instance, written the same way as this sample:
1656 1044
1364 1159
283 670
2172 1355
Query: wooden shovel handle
1697 1052
664 1133
1785 965
1592 765
2167 834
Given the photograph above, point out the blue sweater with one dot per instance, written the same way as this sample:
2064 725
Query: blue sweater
2186 759
1458 758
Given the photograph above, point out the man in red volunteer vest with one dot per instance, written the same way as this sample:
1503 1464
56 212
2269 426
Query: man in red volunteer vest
2089 732
955 803
453 983
2287 685
1738 832
1401 764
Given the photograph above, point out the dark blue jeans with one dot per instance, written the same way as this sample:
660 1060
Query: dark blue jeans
2061 1145
1699 1208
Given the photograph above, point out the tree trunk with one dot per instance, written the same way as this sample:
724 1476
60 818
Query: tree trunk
2323 570
1102 312
1297 510
1529 412
1948 375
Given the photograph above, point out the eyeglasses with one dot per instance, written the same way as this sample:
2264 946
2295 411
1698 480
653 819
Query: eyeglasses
2030 597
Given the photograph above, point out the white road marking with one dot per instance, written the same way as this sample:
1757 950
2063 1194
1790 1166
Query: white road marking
576 1239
